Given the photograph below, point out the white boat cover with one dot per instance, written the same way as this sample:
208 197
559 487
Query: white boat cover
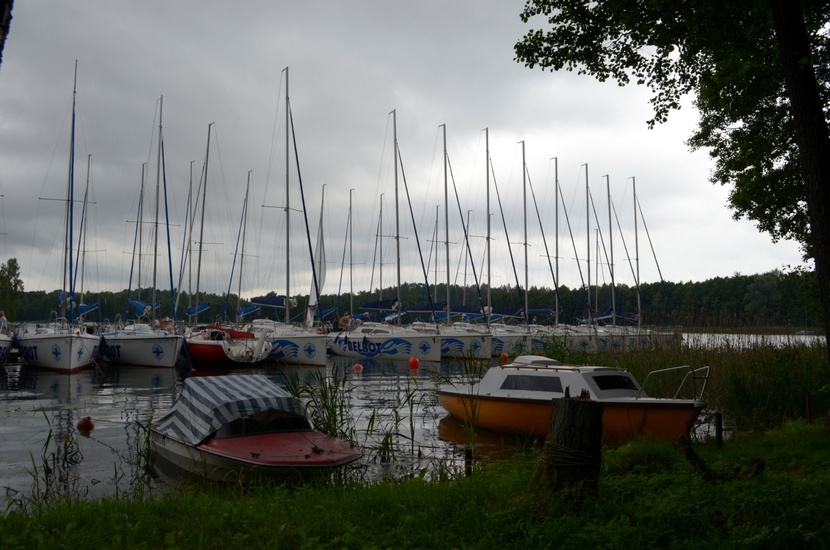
207 403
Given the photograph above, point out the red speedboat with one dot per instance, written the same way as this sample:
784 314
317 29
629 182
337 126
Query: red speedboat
219 346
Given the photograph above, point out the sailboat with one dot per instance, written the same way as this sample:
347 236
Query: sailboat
215 345
147 344
63 345
302 345
381 340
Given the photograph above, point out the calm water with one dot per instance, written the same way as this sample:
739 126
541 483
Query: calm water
385 397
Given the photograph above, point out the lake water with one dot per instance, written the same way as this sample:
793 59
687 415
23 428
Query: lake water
396 419
39 412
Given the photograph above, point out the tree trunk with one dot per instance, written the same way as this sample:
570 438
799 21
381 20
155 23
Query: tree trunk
571 456
811 134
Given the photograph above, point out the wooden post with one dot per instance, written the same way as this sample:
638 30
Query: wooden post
571 457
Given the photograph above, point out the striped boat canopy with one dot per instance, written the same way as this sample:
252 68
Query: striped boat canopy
209 402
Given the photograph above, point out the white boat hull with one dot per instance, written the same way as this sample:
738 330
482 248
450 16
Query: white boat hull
59 352
142 349
5 348
404 346
299 348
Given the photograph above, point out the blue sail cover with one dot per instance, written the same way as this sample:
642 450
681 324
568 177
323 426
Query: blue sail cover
207 403
243 311
269 301
428 308
195 310
83 309
142 308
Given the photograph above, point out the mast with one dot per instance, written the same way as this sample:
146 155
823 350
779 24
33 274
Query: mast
287 208
556 218
588 240
244 232
156 223
202 229
487 170
636 252
397 213
380 232
611 249
446 224
351 258
70 191
524 206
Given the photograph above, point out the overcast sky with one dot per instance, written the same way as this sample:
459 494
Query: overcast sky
350 65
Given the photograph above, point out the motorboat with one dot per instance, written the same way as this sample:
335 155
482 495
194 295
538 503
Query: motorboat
380 340
244 427
517 397
219 346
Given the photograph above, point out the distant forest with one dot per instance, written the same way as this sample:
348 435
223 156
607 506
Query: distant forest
773 299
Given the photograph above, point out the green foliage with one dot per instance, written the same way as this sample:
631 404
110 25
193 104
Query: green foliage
10 287
649 497
725 53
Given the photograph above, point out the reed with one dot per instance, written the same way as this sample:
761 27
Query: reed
755 384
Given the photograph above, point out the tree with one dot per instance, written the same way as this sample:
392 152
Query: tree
759 74
10 287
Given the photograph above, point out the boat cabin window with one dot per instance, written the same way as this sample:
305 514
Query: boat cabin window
607 382
264 422
550 384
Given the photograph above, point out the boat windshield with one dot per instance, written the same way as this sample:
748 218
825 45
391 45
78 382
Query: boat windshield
549 384
270 421
607 382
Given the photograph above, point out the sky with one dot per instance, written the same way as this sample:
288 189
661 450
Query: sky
443 68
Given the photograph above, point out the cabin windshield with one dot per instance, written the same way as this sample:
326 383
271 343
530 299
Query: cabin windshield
607 382
549 384
270 421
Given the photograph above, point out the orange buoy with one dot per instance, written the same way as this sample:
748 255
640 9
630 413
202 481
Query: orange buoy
85 426
357 367
414 363
503 358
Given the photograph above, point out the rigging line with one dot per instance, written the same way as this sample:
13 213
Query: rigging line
625 246
305 211
415 230
573 244
167 224
654 254
506 234
544 239
466 239
601 239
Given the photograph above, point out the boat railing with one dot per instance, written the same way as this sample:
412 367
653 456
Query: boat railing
697 376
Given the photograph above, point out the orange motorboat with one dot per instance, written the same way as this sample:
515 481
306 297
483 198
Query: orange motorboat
517 398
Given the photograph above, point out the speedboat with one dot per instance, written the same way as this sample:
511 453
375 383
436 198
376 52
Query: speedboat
516 398
243 427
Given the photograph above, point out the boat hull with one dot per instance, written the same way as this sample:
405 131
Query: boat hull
5 349
299 349
466 346
59 352
146 350
422 347
274 456
622 420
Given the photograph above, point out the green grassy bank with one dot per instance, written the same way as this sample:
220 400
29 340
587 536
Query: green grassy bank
766 490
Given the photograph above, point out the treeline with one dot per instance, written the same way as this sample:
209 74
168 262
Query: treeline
772 299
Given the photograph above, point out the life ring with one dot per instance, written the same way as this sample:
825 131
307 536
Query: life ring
167 323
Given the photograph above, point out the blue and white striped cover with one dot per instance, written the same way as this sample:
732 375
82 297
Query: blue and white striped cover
207 403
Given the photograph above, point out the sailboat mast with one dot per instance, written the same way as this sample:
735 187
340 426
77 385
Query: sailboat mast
556 221
636 251
287 207
446 223
588 240
70 192
397 213
351 259
524 206
202 229
156 223
244 233
487 170
611 250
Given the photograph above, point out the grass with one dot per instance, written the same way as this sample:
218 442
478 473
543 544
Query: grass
649 496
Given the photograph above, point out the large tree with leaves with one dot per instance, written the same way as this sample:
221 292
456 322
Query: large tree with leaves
10 286
759 74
